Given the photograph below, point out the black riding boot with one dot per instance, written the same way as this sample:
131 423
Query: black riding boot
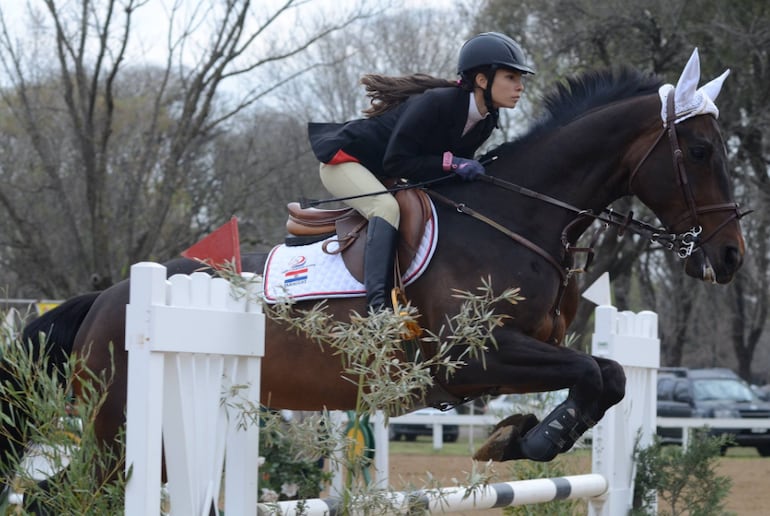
379 257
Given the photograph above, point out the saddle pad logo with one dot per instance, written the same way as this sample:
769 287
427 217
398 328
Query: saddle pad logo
297 272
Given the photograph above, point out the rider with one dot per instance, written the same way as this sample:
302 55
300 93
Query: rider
419 128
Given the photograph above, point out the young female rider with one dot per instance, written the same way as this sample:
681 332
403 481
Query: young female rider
418 127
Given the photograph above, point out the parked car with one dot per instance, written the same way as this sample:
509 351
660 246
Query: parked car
712 393
537 403
763 391
450 433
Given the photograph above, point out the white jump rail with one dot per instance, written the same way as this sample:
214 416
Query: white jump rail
194 354
455 499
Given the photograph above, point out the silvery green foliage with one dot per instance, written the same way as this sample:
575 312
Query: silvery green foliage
370 348
40 415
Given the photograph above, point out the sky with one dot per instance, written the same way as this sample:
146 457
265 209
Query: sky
150 22
148 41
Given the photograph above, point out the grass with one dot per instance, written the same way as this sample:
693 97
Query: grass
738 452
742 452
424 446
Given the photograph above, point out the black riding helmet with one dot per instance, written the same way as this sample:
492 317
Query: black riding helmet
490 51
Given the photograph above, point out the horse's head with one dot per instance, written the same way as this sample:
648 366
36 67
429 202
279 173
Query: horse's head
683 178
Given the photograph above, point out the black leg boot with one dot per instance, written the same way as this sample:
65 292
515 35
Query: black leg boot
556 433
379 257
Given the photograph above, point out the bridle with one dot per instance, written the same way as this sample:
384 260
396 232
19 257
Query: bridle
684 244
692 239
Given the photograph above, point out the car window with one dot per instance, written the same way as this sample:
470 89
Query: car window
708 389
665 388
681 390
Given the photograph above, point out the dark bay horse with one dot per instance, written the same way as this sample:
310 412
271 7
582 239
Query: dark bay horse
604 138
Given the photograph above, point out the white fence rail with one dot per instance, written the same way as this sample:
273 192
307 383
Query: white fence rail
190 342
632 340
485 421
687 424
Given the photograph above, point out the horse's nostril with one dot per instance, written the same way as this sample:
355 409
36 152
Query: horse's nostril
732 257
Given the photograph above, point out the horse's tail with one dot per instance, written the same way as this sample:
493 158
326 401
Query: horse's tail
56 330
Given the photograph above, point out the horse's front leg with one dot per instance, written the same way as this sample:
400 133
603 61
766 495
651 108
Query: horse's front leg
522 364
561 428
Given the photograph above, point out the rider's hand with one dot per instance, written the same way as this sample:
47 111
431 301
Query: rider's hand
468 169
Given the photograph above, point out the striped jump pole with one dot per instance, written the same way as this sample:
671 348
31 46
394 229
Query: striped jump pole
455 499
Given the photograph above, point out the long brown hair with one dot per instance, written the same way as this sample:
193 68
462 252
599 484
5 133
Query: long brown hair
386 92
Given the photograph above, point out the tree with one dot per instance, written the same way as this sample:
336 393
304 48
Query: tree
100 171
743 39
399 43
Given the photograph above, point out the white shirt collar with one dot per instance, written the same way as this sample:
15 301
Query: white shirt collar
474 116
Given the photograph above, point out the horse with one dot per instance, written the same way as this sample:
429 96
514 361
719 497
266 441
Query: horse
607 134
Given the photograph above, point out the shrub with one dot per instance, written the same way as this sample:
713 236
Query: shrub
285 473
36 410
685 480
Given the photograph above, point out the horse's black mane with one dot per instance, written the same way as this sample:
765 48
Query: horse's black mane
577 95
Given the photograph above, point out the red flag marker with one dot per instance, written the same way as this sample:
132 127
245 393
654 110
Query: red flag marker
219 247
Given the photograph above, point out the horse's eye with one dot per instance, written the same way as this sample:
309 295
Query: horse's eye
698 152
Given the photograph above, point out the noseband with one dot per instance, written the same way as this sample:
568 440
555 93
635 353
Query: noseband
684 243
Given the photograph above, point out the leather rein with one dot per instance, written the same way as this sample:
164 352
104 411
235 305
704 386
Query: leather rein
684 244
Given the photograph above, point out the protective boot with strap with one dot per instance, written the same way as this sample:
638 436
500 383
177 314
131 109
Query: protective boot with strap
553 435
379 258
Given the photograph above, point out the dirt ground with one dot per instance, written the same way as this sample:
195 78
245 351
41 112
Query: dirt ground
749 496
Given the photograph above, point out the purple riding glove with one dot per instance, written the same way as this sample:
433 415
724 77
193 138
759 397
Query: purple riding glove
468 169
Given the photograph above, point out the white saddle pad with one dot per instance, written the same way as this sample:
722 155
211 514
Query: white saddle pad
307 272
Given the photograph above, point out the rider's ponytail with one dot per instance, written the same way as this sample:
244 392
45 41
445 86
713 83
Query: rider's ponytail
386 92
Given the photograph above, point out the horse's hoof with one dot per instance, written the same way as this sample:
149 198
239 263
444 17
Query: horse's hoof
523 422
505 441
494 447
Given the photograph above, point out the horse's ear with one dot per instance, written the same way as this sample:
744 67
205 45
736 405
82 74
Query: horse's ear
689 100
712 88
688 81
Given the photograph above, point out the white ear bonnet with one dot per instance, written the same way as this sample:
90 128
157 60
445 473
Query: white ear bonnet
689 100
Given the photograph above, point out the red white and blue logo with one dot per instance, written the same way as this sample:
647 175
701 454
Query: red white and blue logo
297 273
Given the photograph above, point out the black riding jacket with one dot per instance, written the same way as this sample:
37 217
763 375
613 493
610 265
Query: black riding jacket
409 140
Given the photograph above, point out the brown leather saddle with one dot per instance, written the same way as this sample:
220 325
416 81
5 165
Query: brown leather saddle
308 225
